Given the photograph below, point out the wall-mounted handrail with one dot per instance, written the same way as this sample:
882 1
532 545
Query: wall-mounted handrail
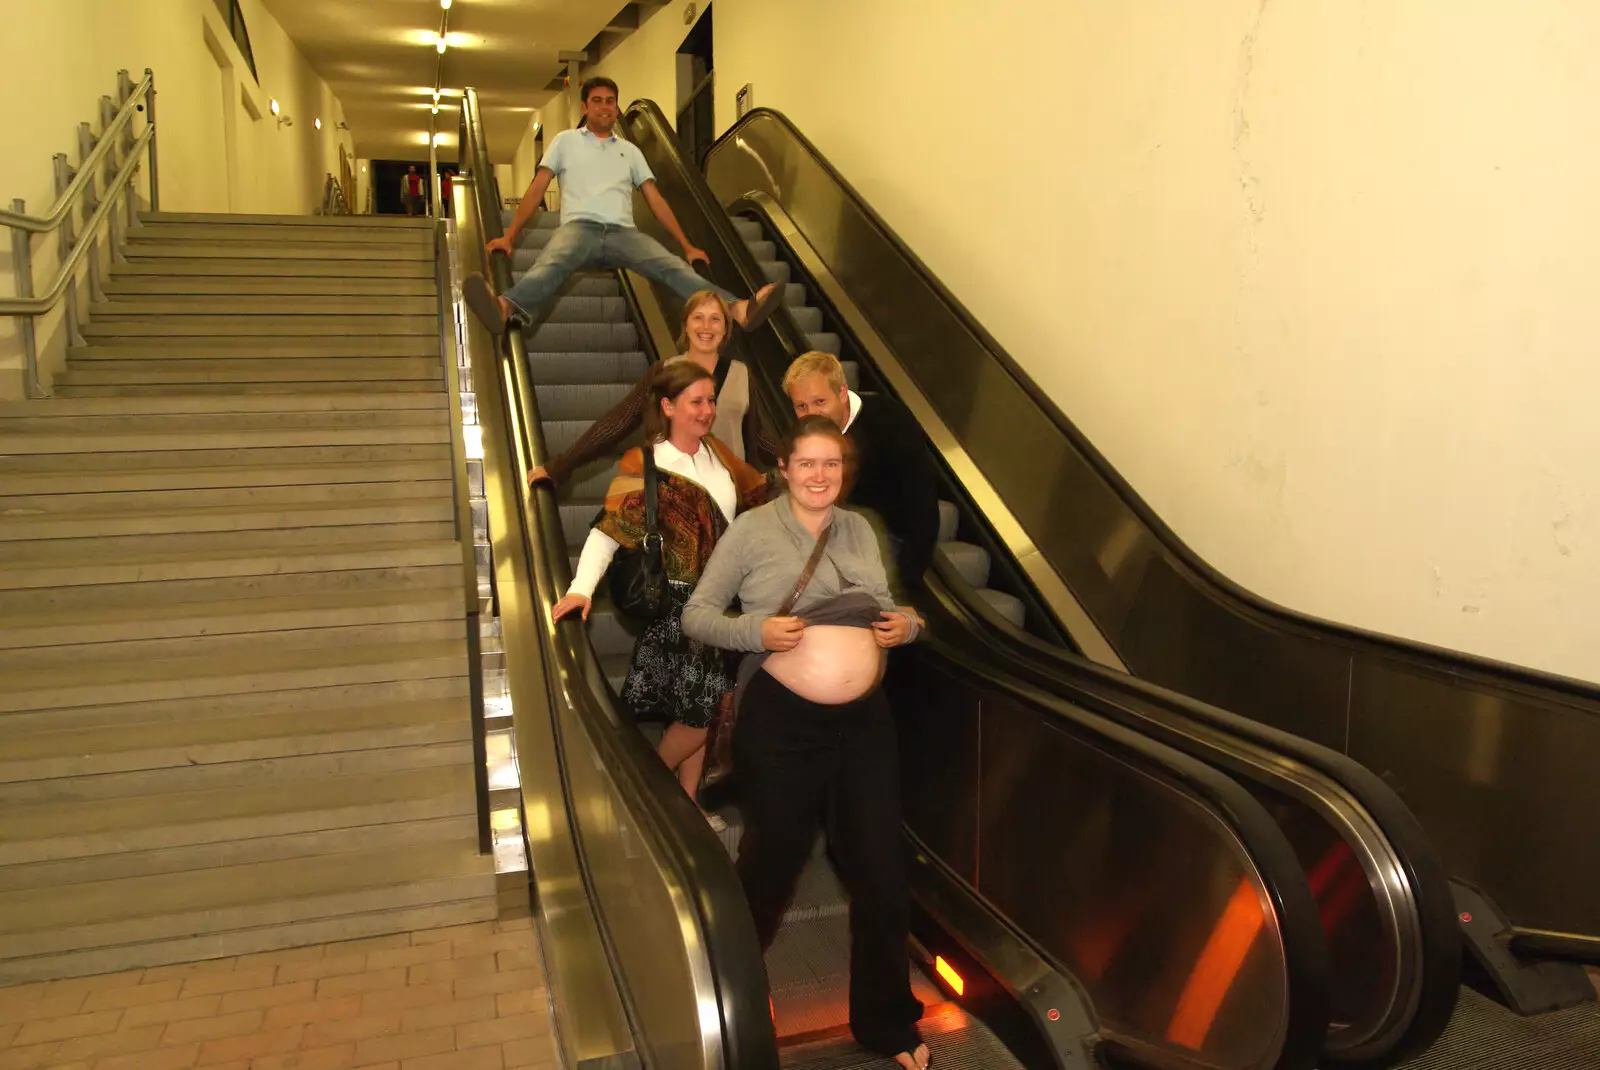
38 306
89 168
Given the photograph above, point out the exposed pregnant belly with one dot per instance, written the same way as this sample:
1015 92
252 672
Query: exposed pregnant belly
831 665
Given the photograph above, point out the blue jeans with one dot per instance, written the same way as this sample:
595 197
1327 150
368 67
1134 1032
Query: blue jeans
582 244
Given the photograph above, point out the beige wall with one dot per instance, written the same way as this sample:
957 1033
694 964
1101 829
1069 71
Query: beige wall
67 53
1317 277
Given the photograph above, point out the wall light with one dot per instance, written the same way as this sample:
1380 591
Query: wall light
442 44
363 168
317 123
272 105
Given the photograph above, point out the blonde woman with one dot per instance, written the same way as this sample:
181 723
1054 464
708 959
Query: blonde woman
705 331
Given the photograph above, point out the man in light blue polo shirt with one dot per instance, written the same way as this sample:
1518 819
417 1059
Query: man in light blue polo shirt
599 172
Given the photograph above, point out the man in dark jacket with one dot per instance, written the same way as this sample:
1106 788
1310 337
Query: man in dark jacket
895 477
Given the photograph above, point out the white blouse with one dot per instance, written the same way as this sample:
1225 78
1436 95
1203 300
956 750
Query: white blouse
703 466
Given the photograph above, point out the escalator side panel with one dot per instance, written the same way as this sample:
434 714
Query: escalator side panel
1125 881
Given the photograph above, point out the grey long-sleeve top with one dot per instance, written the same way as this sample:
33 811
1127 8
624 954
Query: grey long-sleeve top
759 558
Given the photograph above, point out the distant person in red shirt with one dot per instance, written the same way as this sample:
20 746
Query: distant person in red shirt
411 191
444 192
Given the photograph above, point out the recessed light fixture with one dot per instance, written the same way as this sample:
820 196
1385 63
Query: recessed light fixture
317 123
272 105
441 44
436 96
436 109
445 4
438 139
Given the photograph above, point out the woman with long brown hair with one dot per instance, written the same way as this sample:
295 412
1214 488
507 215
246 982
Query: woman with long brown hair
701 486
706 331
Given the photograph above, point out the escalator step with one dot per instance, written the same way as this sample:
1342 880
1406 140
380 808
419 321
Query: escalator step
794 293
949 521
775 270
957 1040
969 560
749 229
762 250
808 319
1008 606
571 368
582 337
582 308
826 341
578 401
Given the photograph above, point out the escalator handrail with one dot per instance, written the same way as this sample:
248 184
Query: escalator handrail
1215 583
700 865
1406 843
1260 836
1340 781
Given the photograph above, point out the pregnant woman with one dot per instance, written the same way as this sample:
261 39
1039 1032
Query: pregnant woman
815 728
700 487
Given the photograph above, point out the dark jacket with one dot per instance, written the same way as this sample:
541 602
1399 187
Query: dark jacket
895 478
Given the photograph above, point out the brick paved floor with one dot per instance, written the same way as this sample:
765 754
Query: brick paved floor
467 998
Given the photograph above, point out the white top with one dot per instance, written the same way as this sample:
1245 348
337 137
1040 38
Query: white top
703 466
598 176
855 410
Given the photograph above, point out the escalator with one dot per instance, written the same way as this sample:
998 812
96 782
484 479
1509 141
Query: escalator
790 209
1193 936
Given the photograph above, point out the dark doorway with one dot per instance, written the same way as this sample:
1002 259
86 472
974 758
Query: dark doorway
697 111
388 182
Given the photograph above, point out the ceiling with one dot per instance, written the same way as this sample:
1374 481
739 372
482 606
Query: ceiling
378 56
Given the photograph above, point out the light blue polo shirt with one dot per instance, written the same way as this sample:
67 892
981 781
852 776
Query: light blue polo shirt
598 176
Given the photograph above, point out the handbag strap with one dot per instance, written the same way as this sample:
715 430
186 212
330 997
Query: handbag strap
806 573
652 528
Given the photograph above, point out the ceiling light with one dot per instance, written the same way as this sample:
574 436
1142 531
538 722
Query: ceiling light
441 44
436 109
317 123
436 96
445 4
438 139
272 105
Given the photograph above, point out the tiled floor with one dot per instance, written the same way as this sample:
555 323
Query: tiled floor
467 998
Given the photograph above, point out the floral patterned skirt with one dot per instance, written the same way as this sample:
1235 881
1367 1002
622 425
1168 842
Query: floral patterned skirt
673 677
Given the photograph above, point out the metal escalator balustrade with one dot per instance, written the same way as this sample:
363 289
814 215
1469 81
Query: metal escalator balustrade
1415 714
651 958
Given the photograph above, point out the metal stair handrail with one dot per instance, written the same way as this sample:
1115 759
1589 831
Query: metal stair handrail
73 193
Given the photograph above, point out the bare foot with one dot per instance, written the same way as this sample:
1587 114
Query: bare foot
916 1060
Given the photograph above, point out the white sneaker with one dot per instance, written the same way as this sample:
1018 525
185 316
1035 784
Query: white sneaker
718 825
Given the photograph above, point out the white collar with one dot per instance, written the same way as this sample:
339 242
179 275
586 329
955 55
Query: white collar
596 137
855 410
674 452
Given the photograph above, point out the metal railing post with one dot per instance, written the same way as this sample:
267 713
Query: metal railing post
150 120
22 264
64 244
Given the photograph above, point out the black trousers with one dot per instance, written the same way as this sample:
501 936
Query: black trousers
797 762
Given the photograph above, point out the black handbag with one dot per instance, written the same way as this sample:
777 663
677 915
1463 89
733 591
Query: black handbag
638 577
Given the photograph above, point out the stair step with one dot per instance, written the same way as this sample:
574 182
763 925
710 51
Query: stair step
436 488
223 348
198 423
283 482
183 905
55 553
218 232
189 677
26 525
140 247
390 268
266 705
156 462
308 222
217 390
237 403
261 325
50 442
231 565
199 620
275 806
137 287
438 623
255 305
393 836
181 373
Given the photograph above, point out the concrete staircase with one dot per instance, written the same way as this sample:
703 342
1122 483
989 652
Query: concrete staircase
233 671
